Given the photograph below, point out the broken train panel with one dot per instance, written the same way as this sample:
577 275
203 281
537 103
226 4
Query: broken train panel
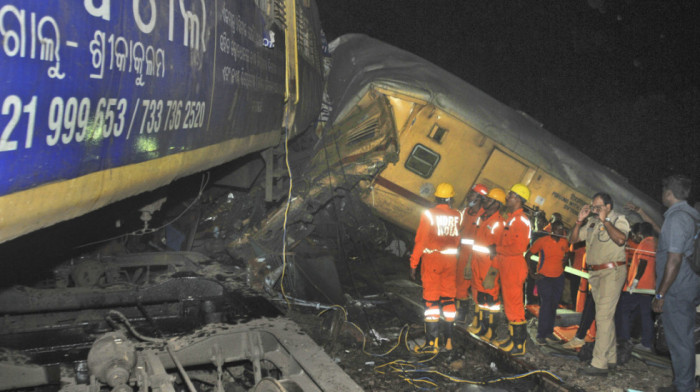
102 100
445 130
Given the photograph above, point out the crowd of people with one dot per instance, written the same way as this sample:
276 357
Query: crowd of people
618 273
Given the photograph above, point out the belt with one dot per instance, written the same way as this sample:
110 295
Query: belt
612 264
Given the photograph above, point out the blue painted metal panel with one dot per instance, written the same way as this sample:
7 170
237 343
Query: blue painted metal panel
96 84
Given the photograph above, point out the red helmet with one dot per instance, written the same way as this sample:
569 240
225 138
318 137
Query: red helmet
480 189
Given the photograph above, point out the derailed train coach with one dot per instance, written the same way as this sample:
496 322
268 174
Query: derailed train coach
102 100
422 126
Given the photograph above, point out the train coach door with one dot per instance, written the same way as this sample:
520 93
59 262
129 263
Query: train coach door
502 171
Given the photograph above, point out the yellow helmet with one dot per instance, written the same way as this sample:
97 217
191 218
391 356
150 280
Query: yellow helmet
521 190
497 194
444 191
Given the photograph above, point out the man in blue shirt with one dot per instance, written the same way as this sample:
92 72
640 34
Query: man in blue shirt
677 286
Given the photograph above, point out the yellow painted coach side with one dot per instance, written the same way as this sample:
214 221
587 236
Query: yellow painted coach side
466 157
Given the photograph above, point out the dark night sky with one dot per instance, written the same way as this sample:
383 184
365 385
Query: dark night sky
618 80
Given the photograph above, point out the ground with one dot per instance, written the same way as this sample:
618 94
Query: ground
382 305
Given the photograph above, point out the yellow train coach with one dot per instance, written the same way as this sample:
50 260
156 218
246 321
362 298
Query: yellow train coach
410 125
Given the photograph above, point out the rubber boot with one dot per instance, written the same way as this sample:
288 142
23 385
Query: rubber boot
519 338
475 319
505 344
476 324
487 333
448 335
431 339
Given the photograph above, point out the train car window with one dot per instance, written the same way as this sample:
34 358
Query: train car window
437 133
422 161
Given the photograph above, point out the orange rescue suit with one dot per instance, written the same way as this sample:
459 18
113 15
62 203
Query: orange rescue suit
510 260
437 242
646 250
630 247
488 232
468 230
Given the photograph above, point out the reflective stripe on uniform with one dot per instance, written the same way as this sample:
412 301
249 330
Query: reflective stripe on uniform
430 217
467 241
450 315
491 308
450 251
432 314
524 220
527 222
481 249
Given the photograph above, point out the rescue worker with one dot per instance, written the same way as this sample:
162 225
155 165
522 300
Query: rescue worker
640 276
632 243
512 268
556 217
577 254
436 245
484 273
475 201
549 275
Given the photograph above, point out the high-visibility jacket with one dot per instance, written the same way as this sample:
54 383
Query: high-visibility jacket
510 261
646 250
438 233
579 250
583 288
437 242
467 230
488 231
630 247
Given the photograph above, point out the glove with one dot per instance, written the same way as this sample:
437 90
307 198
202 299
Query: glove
413 274
490 278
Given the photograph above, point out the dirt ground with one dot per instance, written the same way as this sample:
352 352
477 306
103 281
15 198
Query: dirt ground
471 361
383 309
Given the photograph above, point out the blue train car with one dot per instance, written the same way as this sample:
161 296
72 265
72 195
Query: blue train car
101 100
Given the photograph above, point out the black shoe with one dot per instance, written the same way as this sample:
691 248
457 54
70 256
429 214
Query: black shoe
541 341
592 371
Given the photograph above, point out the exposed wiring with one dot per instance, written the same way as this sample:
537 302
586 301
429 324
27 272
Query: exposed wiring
120 316
205 181
286 213
364 337
403 368
339 226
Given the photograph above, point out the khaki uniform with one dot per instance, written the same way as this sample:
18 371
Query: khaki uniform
606 284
